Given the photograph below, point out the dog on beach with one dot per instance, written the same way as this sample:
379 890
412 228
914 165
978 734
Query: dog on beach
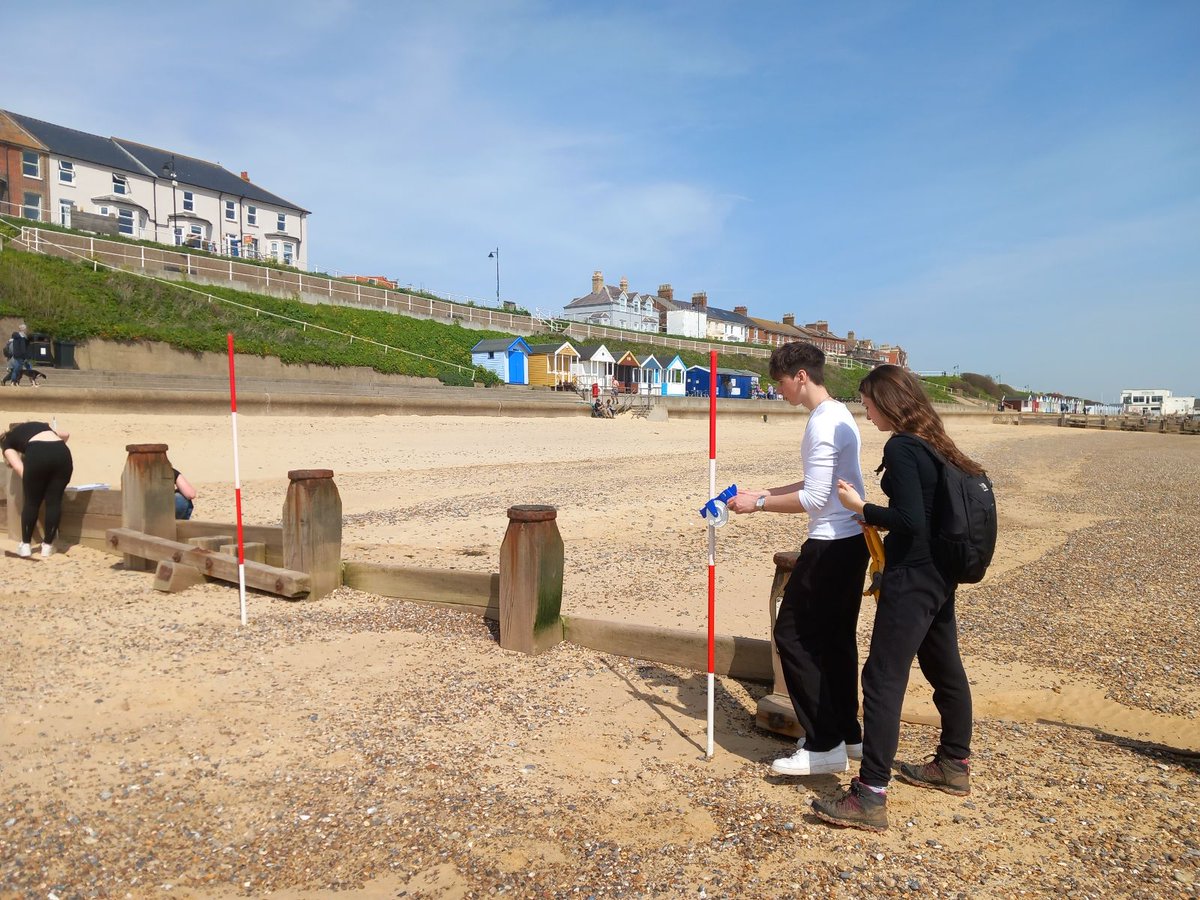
34 376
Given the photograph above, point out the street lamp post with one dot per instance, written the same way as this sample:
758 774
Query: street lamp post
168 170
495 254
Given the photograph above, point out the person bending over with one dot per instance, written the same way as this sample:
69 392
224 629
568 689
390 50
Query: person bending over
39 455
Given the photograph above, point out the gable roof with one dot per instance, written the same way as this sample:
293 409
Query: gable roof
491 345
198 172
676 359
778 327
80 144
586 354
141 159
725 315
550 349
606 296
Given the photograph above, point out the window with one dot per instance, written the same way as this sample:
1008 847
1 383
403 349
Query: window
125 221
102 210
230 210
66 171
189 201
197 230
120 184
32 208
287 253
31 164
275 249
281 222
178 236
64 213
251 215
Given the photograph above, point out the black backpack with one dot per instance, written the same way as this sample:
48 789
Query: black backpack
8 349
963 538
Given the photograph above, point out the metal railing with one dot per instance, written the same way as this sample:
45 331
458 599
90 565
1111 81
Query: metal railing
177 262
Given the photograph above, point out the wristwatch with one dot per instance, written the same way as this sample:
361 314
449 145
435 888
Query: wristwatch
761 503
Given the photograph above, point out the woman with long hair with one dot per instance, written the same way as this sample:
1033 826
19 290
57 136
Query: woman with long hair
915 613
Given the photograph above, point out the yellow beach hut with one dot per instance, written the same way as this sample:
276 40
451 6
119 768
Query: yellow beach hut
552 365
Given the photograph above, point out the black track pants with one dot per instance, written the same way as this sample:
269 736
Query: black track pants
815 635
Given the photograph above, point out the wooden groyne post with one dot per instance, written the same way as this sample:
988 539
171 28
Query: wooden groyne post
312 529
531 580
775 710
147 497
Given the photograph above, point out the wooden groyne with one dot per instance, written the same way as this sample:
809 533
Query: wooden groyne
1152 424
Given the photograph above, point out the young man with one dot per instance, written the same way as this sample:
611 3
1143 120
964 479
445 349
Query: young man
815 629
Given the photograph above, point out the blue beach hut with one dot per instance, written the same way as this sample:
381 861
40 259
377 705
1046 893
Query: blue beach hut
507 358
737 383
674 377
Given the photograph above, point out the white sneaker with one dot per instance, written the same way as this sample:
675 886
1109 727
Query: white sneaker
23 551
47 549
854 751
805 762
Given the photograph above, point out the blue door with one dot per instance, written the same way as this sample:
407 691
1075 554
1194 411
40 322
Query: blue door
516 368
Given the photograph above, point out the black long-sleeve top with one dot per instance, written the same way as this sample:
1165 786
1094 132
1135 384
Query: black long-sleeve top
909 482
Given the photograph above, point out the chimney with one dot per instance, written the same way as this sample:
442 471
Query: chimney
741 310
666 292
624 285
789 319
820 325
245 176
597 282
850 340
700 300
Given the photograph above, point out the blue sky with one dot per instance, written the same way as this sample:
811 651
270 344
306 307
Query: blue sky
1011 188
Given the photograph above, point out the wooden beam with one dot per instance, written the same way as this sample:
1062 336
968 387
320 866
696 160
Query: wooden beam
271 535
477 592
283 582
738 657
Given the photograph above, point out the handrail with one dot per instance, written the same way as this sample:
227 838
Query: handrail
38 241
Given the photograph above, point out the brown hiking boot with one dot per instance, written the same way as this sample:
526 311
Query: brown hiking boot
858 807
940 773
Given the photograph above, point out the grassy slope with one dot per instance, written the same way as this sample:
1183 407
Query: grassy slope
72 302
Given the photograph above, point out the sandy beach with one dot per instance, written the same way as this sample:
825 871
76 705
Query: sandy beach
150 746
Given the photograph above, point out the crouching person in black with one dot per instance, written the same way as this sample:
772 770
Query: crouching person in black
39 455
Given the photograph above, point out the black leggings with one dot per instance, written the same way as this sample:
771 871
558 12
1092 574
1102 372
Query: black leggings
48 468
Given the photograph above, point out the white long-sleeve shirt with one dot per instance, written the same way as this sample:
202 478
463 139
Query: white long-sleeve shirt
830 451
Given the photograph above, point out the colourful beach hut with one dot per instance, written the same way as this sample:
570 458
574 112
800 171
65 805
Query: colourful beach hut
628 371
674 377
507 358
652 372
595 366
552 365
738 383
